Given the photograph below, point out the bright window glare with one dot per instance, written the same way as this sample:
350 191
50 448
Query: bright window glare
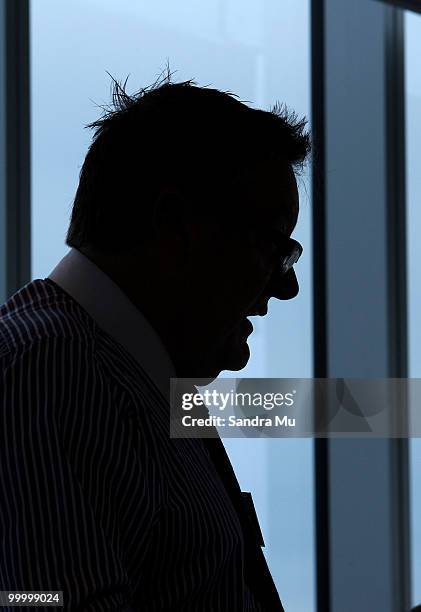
413 179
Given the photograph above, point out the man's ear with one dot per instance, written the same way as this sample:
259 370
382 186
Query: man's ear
169 214
173 221
178 237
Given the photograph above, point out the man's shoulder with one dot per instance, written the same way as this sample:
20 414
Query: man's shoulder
48 353
45 339
40 312
45 331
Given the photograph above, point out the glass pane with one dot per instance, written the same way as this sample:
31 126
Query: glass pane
413 177
238 45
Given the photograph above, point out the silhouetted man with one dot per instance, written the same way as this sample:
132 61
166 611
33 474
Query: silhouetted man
180 230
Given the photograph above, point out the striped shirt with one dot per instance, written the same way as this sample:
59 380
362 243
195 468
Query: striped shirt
96 499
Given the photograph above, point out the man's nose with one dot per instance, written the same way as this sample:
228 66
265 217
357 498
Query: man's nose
283 286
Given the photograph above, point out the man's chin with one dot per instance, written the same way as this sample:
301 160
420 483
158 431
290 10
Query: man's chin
233 355
233 358
237 356
236 351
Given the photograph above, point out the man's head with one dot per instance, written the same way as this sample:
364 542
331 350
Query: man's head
186 199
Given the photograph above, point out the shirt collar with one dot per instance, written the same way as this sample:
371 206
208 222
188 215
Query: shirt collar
112 310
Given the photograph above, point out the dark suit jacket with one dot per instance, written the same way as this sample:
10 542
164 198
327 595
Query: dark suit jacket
97 500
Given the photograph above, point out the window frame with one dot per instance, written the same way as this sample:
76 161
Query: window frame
348 578
15 212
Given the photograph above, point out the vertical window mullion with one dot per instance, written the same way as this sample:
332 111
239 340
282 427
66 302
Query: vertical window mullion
360 333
